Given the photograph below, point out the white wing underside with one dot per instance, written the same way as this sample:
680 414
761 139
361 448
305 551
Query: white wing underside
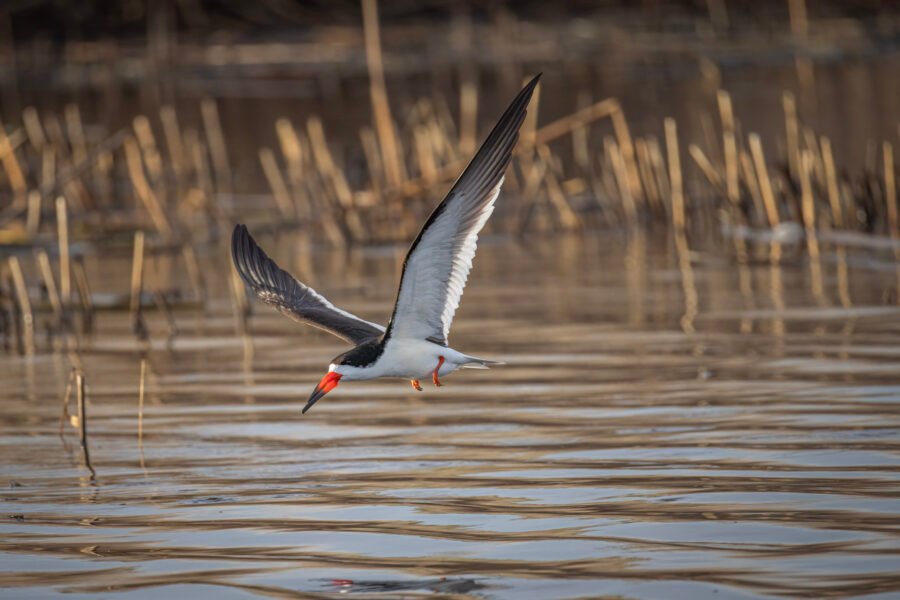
439 260
436 272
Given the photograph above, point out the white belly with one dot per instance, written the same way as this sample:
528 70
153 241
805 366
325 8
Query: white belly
416 359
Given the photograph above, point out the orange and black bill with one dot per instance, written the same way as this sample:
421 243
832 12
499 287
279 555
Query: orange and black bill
328 383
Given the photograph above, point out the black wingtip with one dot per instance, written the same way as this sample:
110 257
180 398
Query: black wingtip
529 87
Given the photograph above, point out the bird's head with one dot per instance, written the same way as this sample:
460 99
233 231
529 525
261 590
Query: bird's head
327 383
351 366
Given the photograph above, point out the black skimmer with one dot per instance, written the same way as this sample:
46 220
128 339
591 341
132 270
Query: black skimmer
414 344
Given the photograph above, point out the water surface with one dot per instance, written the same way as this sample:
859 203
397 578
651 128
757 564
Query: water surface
660 431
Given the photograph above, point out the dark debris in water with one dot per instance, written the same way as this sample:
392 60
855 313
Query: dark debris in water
442 585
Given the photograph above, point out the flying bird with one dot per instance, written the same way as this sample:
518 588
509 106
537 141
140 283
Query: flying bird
414 345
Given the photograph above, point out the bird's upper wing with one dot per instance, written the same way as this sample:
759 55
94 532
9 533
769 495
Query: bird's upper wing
273 285
439 260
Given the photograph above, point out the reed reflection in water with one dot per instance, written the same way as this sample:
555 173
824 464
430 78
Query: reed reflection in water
669 425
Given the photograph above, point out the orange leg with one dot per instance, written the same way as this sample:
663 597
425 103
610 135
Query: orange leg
416 385
434 374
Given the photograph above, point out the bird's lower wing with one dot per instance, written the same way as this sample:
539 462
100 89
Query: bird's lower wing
273 285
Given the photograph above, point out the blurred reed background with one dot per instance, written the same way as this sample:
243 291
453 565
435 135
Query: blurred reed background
148 128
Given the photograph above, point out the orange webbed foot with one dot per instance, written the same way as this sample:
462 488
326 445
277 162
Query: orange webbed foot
416 385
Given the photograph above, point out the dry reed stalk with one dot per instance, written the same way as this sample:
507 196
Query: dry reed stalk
444 130
443 147
16 139
440 144
64 416
468 116
65 266
626 148
843 278
809 223
83 420
292 150
748 172
384 123
834 196
239 298
567 216
654 153
765 184
174 142
373 158
193 270
792 132
50 283
580 135
729 145
890 190
48 167
75 131
534 175
33 214
776 289
84 293
141 403
276 181
335 176
808 207
197 152
567 124
56 137
620 171
798 17
33 128
11 165
137 281
142 188
678 209
22 298
706 167
147 143
812 145
217 148
648 179
424 153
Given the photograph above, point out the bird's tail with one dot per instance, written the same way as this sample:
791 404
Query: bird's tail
480 363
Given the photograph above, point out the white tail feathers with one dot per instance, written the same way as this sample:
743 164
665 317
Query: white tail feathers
480 363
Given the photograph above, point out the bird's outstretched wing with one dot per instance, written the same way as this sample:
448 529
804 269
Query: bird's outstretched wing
273 285
438 262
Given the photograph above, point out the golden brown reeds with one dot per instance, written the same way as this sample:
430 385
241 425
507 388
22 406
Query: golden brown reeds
890 190
384 123
65 264
50 284
218 149
137 287
765 183
276 181
679 219
834 197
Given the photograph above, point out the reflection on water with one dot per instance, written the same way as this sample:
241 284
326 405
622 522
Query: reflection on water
619 453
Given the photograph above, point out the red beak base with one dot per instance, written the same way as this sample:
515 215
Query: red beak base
328 383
